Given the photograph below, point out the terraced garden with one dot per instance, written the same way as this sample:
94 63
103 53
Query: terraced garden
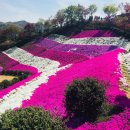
55 61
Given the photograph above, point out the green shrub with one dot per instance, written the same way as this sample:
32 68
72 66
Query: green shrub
30 119
1 86
15 80
6 83
84 98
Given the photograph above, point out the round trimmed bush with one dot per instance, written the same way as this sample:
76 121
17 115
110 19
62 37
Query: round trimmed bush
84 98
30 119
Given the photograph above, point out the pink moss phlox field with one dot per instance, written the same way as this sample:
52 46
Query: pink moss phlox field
6 61
104 68
22 67
95 33
47 43
63 57
88 50
33 49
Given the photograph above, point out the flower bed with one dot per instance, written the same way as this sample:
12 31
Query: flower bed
99 41
22 67
28 59
95 33
31 48
6 61
63 57
47 43
104 68
87 50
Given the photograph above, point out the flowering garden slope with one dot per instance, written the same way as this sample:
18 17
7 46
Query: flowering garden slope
107 70
53 65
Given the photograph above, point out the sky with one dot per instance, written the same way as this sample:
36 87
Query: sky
32 10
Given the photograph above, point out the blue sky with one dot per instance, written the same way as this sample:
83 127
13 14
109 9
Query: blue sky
32 10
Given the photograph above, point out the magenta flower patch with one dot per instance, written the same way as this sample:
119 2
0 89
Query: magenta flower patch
47 43
33 49
6 61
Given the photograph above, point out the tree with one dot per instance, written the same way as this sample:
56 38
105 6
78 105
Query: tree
110 10
92 9
82 12
12 32
71 14
2 35
48 25
84 98
29 29
74 14
41 20
60 16
127 7
39 27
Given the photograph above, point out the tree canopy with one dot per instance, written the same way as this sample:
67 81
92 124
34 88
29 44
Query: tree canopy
92 9
110 10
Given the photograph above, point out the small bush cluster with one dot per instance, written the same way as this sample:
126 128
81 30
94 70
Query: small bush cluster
30 119
15 72
20 76
86 98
